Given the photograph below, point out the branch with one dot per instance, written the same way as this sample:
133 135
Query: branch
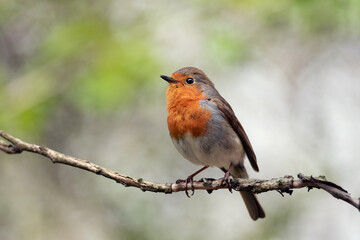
282 184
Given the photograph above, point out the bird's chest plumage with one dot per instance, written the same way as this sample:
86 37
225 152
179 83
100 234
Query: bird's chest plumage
201 133
188 117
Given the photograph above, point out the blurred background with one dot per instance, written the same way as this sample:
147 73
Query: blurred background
82 77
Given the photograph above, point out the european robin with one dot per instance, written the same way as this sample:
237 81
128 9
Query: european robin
205 130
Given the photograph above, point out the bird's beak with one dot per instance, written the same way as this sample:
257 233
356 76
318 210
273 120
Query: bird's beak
168 79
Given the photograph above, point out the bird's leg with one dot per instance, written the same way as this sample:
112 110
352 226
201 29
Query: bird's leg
226 178
190 179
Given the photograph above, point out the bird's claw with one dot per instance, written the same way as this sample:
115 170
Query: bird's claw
226 179
186 181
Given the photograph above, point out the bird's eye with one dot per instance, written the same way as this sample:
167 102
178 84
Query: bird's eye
190 81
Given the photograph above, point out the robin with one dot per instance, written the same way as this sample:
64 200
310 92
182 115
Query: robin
205 130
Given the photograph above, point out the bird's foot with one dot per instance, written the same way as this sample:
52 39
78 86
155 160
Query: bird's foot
189 179
226 179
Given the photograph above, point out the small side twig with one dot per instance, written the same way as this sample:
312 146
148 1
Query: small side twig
282 184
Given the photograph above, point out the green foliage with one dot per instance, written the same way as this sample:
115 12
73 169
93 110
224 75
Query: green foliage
226 46
26 103
312 18
85 60
115 75
108 69
317 17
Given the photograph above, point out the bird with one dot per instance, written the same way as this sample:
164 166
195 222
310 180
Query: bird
204 130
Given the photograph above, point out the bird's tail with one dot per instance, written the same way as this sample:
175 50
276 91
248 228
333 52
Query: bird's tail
251 202
252 205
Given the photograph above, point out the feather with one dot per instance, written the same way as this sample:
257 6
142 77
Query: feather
226 109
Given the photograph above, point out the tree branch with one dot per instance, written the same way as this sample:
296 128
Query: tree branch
282 184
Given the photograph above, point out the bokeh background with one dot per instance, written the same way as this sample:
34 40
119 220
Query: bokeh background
82 77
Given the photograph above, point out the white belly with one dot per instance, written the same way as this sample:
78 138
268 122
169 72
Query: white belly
211 150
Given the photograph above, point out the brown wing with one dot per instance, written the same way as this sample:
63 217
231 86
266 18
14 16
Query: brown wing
225 108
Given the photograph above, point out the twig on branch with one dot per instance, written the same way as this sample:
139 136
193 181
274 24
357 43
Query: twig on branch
282 184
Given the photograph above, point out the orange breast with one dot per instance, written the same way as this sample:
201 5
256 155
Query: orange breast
185 115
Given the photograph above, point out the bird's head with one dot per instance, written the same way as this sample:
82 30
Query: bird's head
189 82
